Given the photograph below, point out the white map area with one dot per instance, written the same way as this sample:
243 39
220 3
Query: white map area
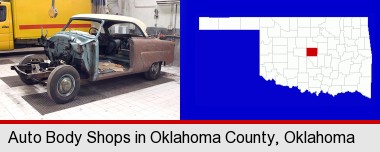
344 59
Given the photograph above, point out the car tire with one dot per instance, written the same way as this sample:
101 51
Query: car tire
25 60
154 71
31 57
63 84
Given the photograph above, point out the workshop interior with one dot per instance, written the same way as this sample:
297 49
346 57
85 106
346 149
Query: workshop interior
90 59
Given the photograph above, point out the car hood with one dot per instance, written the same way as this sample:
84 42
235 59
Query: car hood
79 37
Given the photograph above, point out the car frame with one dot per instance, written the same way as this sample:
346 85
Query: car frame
75 55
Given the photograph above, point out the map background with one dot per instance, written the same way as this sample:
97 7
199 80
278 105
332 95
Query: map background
220 69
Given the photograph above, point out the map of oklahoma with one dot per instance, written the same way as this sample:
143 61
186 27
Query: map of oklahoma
316 54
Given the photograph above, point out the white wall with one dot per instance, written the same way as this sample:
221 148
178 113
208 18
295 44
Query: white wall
145 12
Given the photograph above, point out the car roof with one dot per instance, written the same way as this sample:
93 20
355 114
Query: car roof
109 17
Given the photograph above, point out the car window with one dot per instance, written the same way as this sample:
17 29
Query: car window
97 25
81 25
125 28
3 13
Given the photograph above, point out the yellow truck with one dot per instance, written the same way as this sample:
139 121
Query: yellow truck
21 21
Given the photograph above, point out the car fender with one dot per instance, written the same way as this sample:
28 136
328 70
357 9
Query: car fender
147 51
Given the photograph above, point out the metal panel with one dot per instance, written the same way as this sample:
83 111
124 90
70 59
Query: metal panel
28 26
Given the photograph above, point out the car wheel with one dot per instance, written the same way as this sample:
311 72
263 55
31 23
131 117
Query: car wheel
25 60
154 71
29 58
63 84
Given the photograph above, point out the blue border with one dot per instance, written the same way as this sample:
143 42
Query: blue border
219 69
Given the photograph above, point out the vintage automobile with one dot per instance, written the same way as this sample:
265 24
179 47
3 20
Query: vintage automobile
114 46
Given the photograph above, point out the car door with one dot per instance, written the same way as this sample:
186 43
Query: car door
4 27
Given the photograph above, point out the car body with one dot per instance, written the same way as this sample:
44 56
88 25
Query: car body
104 52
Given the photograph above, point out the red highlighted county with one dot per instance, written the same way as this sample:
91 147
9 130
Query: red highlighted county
311 51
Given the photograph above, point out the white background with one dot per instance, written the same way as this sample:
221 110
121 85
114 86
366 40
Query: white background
366 137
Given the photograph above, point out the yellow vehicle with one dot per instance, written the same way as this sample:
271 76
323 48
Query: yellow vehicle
21 21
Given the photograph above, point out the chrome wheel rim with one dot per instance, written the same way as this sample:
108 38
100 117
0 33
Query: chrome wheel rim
66 85
155 68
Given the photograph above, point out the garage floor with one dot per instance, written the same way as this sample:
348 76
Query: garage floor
130 97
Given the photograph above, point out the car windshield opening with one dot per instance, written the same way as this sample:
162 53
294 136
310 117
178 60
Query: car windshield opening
89 26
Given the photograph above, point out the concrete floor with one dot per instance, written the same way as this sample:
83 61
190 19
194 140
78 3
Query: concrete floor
161 101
